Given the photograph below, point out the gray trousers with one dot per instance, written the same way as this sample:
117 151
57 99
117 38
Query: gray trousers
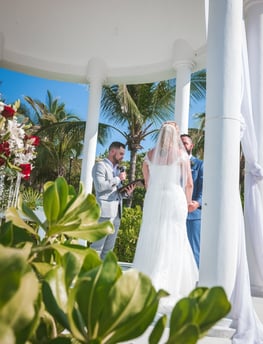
106 244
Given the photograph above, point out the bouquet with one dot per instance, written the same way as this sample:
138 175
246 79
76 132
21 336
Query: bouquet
17 146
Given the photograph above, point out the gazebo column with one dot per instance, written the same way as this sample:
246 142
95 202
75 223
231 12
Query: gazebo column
1 45
221 203
183 64
96 76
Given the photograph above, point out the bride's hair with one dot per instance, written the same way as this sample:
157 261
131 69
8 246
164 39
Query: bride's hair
169 147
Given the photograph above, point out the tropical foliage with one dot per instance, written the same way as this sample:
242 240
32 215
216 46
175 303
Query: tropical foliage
141 109
61 138
66 294
128 234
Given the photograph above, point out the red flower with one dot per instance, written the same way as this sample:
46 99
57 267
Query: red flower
25 170
8 112
4 148
35 140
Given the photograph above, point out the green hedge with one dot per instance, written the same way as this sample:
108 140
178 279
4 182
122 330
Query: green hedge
128 234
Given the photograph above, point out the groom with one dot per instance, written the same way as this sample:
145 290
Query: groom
194 209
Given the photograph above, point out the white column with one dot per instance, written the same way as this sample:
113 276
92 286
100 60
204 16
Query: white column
221 206
183 64
96 76
1 46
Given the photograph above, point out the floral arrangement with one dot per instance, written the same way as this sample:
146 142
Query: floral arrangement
17 146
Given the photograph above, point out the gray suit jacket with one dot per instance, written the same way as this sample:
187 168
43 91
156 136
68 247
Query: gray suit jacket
106 189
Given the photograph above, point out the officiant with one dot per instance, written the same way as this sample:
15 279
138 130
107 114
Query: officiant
108 178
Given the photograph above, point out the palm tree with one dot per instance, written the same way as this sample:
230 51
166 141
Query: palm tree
140 109
62 135
198 136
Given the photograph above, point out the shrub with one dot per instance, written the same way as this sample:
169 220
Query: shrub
128 234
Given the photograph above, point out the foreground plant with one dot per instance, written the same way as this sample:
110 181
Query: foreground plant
54 290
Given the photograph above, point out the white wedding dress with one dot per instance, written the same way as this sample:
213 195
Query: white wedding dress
163 251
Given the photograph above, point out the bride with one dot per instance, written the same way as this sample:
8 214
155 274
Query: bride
163 251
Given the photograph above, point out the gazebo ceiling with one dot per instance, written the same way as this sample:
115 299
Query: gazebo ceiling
135 39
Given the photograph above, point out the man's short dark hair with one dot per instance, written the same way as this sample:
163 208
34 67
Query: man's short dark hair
116 144
186 135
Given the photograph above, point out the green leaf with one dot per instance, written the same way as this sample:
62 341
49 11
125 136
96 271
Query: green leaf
91 261
91 232
198 292
56 280
12 267
91 293
213 305
79 251
62 190
131 307
20 318
51 202
158 330
30 214
188 334
6 234
13 215
185 312
52 305
7 335
60 340
93 290
71 268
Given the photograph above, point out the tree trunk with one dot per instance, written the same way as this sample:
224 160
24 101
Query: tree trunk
132 172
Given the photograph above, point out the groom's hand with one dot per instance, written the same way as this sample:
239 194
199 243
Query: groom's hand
192 206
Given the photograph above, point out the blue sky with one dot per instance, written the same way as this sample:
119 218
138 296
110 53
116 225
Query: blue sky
16 85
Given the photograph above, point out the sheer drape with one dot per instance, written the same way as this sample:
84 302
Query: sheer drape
249 329
253 202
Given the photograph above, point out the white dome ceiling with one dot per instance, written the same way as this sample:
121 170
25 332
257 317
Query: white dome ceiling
135 39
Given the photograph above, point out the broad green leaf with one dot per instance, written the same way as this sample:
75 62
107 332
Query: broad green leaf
198 292
57 281
61 340
52 305
91 261
6 234
28 330
30 214
189 334
93 232
97 283
13 215
84 207
213 305
71 267
12 268
131 307
158 330
91 293
42 268
51 203
26 297
80 252
62 190
186 311
7 335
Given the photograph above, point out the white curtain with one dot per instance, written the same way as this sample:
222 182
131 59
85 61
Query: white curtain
253 203
249 329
